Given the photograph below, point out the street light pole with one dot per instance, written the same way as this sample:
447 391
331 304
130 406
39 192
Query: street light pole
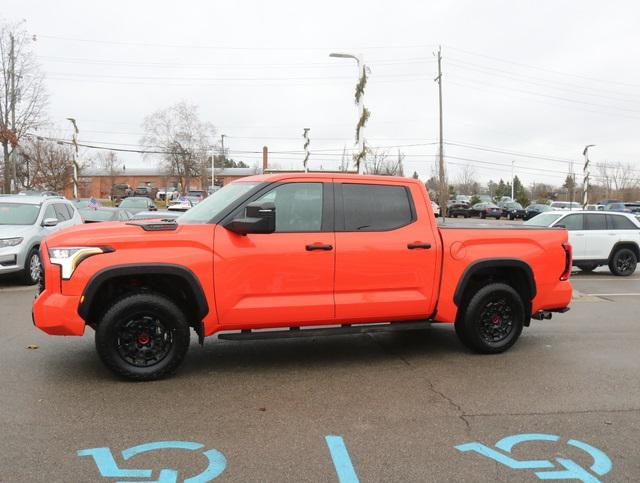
585 182
362 112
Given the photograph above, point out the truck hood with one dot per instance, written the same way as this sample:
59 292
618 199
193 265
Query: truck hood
104 233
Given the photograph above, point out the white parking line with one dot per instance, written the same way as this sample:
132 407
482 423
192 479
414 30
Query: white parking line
17 289
613 294
612 279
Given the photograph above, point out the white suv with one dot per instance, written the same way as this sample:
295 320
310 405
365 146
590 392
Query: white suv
24 222
598 238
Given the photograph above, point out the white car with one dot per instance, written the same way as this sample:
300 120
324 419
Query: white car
435 208
565 205
24 222
181 204
598 238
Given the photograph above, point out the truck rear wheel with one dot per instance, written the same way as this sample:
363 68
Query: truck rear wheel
142 337
492 320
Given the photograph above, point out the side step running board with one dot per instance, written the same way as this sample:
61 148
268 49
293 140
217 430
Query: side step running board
321 332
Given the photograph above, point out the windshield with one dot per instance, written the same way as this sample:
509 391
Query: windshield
543 219
513 206
218 201
98 215
18 213
134 203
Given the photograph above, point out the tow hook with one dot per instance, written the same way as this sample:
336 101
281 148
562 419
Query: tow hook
542 315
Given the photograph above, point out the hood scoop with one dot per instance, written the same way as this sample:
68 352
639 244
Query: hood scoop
163 225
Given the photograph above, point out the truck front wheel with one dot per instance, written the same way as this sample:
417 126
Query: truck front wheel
142 337
492 320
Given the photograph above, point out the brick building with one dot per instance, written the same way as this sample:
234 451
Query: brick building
97 183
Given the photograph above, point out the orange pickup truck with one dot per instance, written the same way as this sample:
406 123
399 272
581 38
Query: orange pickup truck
299 255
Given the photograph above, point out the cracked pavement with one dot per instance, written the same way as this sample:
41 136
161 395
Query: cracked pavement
402 401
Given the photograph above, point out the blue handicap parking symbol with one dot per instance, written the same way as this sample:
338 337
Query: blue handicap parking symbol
108 467
561 469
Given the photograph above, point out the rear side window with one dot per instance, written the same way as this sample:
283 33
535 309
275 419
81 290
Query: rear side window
374 207
573 222
596 222
616 222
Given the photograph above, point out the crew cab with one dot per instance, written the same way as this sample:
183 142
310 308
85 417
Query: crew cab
598 238
296 255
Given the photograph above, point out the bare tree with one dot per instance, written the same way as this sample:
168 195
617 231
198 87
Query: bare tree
22 95
618 179
49 162
379 162
185 139
466 180
109 162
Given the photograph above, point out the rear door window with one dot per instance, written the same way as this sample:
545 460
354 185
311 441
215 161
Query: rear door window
596 222
374 207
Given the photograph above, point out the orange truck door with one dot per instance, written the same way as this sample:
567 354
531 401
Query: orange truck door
386 253
281 278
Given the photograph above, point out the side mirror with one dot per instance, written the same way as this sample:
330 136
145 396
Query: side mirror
260 217
50 222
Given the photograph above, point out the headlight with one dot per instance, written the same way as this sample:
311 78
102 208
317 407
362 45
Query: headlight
68 258
10 242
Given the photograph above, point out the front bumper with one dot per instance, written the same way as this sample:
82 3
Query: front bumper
57 314
11 259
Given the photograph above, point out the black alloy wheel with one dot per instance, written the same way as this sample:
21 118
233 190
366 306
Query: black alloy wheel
143 336
623 263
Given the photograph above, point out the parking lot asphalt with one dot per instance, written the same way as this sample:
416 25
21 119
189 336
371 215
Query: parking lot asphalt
401 402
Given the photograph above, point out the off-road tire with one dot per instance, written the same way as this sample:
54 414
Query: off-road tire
472 327
623 262
27 275
116 324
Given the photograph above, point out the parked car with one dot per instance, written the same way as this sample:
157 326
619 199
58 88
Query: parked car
485 210
24 222
134 204
462 199
169 193
594 208
512 210
196 196
620 207
633 207
119 192
147 191
535 209
485 198
181 204
40 193
565 205
262 253
104 213
435 208
156 215
598 238
458 209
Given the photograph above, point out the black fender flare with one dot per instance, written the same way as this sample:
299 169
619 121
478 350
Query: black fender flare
488 263
106 274
625 244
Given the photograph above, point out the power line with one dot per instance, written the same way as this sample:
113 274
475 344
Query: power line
225 47
528 66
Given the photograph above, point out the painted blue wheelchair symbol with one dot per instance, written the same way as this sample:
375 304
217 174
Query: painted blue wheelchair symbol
108 467
572 471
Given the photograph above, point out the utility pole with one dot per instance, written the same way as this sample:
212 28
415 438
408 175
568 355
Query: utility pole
75 156
10 174
512 178
585 181
442 180
305 135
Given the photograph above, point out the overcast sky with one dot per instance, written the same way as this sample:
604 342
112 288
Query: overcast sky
539 78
